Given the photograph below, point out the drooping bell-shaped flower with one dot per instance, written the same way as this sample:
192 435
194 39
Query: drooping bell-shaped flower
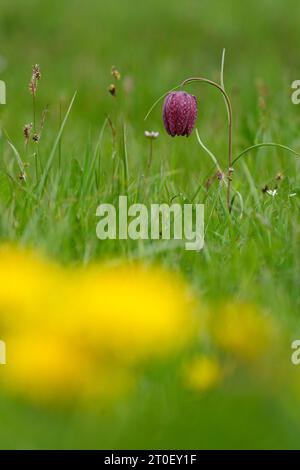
180 113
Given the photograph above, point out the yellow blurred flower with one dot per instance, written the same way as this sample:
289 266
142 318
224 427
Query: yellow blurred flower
29 287
133 311
244 330
81 332
40 366
203 373
44 368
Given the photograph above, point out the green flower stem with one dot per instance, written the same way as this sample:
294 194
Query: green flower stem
229 109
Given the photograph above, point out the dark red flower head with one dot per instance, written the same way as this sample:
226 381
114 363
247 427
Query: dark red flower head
180 113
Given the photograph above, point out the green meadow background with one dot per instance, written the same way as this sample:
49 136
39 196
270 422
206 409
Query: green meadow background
253 256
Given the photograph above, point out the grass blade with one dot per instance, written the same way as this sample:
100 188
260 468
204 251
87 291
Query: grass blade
266 144
54 148
18 158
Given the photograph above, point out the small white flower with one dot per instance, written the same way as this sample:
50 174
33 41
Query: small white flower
272 192
151 134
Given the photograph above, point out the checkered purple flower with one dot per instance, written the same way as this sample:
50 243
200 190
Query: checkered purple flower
180 113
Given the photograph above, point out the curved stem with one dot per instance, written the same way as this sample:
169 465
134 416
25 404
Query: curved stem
266 144
229 109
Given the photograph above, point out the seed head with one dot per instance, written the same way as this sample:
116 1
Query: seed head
112 90
32 86
36 72
115 73
36 76
180 113
27 131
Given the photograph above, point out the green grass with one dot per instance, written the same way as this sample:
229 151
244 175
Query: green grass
254 254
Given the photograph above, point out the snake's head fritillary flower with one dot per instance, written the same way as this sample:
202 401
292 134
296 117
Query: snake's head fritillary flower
180 113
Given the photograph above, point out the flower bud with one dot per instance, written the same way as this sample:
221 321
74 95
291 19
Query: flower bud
180 113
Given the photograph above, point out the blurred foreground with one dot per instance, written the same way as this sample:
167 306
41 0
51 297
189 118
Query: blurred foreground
97 340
